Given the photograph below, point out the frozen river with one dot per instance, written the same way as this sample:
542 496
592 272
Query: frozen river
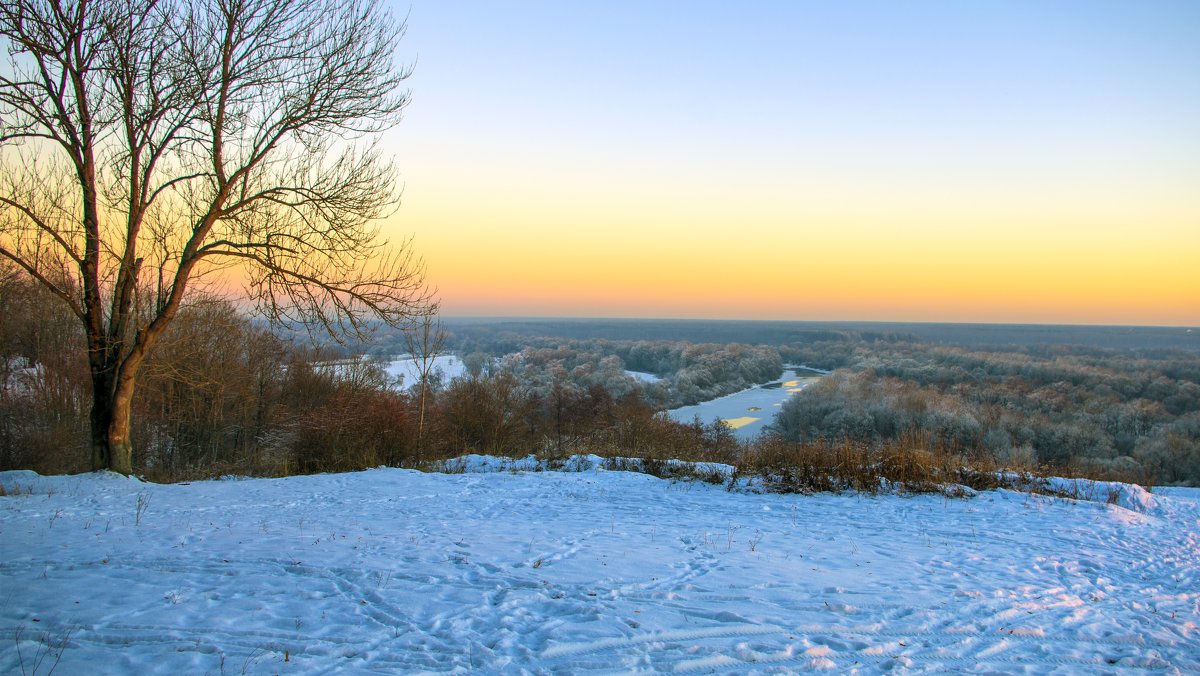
450 366
749 412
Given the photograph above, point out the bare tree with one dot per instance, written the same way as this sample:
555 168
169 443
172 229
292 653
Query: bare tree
147 143
424 341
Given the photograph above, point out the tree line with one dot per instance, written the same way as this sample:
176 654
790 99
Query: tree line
688 372
225 395
1101 410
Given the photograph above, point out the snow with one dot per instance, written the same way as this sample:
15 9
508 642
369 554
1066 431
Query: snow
643 376
450 366
494 569
20 377
806 367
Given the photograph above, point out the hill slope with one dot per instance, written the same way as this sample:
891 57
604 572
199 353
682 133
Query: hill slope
392 571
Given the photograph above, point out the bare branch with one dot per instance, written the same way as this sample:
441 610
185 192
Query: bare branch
42 225
54 288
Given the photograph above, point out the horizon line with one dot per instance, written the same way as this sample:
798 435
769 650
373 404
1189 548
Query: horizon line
582 318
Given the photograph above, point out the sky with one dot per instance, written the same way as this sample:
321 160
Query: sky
919 161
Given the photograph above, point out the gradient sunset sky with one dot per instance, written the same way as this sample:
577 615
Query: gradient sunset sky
909 161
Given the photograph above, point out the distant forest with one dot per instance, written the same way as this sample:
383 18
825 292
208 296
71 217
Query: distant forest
1097 400
777 333
224 395
1099 410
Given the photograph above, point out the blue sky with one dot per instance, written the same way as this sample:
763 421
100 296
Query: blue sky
1065 129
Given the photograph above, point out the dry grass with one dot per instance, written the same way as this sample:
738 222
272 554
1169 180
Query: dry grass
662 448
907 466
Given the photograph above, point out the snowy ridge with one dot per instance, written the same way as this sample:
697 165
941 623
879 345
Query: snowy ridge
1129 496
476 464
497 571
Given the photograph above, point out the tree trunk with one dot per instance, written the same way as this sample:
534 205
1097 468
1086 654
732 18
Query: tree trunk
421 425
112 448
100 419
120 446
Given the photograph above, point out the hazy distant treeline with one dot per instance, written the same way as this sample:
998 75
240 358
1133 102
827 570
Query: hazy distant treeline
779 333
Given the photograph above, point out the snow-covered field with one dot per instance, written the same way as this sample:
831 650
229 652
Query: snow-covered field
393 571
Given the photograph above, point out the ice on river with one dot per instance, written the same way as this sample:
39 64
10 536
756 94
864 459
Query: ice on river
749 411
395 571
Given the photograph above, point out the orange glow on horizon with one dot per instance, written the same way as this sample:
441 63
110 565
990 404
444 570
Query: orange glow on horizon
1080 274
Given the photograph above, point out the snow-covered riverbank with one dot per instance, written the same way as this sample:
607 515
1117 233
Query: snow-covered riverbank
394 571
